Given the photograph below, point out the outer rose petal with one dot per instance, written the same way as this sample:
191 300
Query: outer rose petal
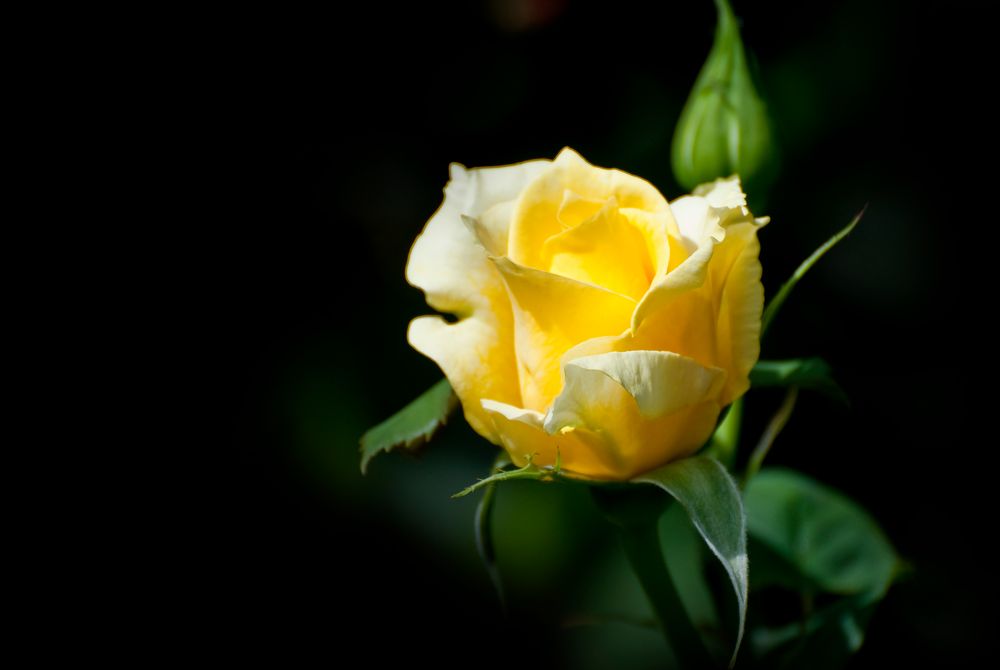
451 266
701 223
635 410
740 307
522 434
715 292
661 382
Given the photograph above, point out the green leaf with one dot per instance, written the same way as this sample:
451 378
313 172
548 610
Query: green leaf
411 426
713 503
772 308
832 543
812 539
808 373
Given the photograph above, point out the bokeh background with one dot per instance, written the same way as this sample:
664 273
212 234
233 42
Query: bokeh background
344 124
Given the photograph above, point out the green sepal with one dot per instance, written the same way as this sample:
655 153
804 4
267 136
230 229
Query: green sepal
779 299
771 432
528 471
411 426
713 502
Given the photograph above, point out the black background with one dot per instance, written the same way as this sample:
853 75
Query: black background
323 144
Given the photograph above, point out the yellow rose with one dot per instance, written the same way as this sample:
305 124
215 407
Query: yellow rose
594 319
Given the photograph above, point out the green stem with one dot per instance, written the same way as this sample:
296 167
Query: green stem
642 546
484 539
637 511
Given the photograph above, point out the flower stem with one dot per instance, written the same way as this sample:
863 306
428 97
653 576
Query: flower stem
637 518
642 546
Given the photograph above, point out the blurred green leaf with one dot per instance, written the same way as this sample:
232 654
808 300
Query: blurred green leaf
824 641
808 373
411 426
724 128
713 503
830 541
809 538
775 305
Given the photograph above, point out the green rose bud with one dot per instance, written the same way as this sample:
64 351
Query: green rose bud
724 128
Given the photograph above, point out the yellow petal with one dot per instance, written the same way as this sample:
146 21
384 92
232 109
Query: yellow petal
660 381
700 229
685 278
606 250
733 277
451 266
709 306
571 191
445 260
646 408
523 436
741 305
552 314
521 433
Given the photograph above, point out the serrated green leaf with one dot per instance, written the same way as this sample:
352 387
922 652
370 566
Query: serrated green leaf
808 373
833 544
779 299
411 426
713 503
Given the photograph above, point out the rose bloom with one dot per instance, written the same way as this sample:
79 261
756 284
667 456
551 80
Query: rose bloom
594 321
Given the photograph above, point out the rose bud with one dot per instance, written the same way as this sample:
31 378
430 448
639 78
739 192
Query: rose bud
724 128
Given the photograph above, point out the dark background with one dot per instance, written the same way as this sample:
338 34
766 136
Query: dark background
326 148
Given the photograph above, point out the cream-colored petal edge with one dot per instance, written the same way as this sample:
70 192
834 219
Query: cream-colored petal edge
451 266
660 382
446 261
